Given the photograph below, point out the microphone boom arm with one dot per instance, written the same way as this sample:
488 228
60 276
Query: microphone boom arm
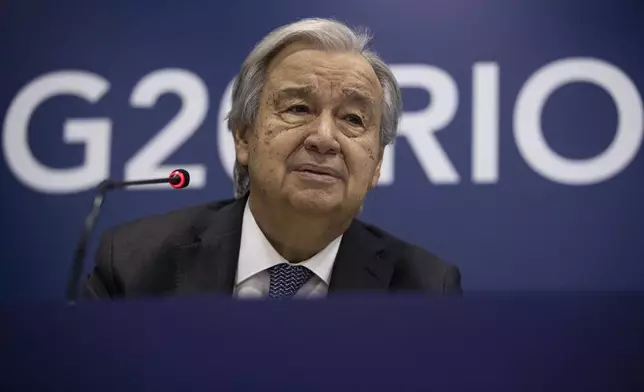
178 179
109 185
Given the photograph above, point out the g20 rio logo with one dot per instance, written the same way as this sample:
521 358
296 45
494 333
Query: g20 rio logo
418 127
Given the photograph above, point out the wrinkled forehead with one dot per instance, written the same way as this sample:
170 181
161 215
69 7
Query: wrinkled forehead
302 69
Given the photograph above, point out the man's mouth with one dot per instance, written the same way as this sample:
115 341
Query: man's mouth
320 172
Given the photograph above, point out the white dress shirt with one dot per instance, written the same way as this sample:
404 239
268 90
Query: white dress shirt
257 255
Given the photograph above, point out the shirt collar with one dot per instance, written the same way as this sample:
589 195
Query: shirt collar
256 254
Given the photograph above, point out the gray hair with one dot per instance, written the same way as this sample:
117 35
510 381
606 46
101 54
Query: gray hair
327 34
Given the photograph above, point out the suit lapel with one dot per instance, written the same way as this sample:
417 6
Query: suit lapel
359 265
209 264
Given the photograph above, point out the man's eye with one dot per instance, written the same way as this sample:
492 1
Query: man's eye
352 118
298 109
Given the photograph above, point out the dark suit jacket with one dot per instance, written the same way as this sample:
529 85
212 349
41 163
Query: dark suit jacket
195 250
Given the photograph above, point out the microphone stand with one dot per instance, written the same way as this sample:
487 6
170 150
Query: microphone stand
178 179
81 246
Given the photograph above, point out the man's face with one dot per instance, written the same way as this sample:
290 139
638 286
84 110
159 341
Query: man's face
316 140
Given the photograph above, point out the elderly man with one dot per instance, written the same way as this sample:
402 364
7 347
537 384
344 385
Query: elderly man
312 112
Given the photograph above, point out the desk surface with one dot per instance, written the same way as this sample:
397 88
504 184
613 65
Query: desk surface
497 342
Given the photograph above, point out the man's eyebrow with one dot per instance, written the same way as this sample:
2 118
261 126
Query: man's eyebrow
349 93
294 91
359 95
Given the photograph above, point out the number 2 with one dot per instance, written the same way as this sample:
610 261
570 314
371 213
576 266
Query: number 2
147 162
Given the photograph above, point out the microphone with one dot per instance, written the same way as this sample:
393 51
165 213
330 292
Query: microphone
178 179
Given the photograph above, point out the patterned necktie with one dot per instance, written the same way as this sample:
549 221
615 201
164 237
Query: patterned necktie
287 279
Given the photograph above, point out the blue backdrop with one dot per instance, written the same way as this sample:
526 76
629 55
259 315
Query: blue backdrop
519 156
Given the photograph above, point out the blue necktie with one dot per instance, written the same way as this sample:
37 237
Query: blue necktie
287 279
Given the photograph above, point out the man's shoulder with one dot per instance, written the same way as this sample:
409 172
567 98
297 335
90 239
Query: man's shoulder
395 245
413 263
178 223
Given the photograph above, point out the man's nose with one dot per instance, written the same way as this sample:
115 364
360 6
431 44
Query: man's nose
322 138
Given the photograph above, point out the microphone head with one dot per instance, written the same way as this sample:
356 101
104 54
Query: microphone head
179 178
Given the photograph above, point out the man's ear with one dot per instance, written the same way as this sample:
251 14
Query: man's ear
376 172
241 145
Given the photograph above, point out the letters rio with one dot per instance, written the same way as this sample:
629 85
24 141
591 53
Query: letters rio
418 127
